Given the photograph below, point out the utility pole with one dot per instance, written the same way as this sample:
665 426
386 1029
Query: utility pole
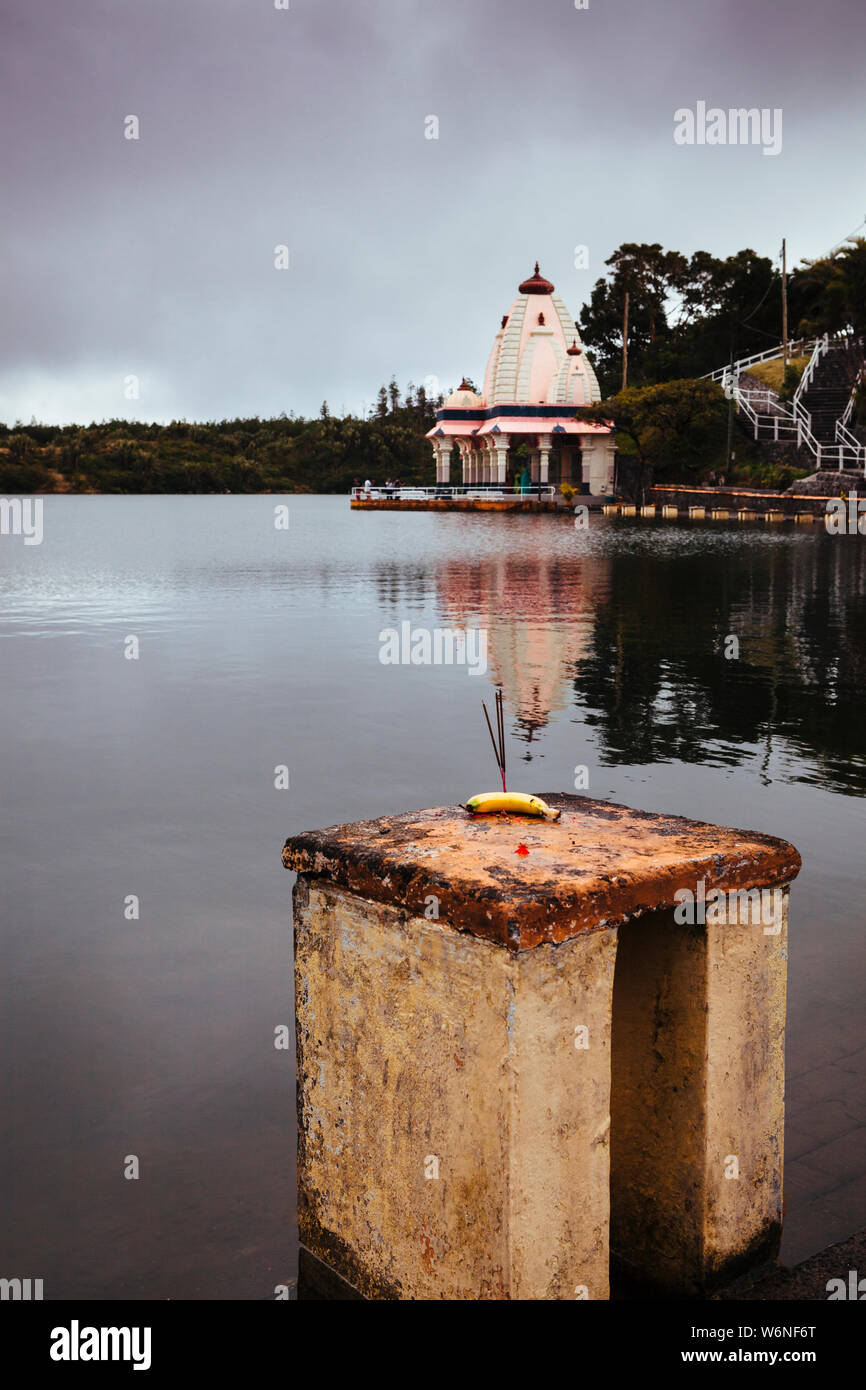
625 343
729 453
784 303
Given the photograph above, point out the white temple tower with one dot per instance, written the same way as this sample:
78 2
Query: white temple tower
537 374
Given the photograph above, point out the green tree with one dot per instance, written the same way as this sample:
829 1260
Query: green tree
818 297
674 428
681 312
854 279
20 447
648 274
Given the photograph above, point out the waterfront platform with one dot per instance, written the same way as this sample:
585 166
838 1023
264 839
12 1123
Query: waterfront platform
460 499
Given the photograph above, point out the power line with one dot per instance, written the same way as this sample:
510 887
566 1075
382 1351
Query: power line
743 322
840 244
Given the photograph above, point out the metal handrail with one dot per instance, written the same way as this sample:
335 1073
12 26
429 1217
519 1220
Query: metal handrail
771 401
743 363
797 424
799 345
786 422
821 347
845 437
859 380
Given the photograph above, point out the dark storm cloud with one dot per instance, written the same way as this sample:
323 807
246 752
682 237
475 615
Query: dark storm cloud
306 127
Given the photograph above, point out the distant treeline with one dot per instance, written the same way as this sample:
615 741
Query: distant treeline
686 315
286 454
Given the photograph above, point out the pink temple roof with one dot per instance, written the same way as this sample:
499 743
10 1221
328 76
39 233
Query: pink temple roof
515 424
540 424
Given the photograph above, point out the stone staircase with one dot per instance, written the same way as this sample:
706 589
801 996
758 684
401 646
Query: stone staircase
827 394
764 402
813 429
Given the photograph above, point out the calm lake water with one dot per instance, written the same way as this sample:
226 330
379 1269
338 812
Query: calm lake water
155 777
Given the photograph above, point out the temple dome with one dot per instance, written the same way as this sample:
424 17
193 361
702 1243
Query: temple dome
464 398
536 284
537 355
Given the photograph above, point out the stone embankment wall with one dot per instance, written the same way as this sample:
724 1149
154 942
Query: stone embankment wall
738 499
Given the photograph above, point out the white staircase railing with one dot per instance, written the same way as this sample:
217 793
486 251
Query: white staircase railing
778 421
843 433
859 380
795 349
798 410
821 347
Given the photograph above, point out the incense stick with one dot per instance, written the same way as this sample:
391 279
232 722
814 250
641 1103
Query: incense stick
492 739
498 752
499 701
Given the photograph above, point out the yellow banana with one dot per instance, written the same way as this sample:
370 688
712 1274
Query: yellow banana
516 803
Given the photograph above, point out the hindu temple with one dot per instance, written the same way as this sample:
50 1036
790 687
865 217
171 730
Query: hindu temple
521 430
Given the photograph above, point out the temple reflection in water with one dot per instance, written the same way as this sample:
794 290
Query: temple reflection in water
633 638
540 613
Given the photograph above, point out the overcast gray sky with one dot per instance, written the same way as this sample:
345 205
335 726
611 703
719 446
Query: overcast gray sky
154 257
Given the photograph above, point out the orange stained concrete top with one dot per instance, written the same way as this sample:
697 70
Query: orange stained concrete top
521 881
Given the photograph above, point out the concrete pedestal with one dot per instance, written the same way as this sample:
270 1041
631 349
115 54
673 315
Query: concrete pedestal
698 1099
466 989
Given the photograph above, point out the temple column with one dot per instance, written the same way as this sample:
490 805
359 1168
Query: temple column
463 446
586 462
501 464
442 454
609 453
598 464
544 457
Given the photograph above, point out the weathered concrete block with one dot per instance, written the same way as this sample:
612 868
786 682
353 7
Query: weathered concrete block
698 1097
460 1013
444 1109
